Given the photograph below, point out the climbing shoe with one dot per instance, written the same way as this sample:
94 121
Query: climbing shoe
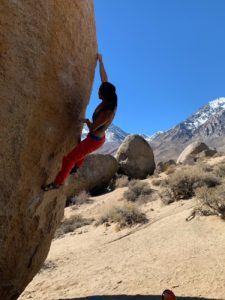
50 186
168 295
74 170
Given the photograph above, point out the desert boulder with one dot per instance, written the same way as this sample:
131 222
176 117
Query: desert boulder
135 157
48 58
194 151
94 174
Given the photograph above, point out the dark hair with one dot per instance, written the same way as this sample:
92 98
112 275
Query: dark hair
108 92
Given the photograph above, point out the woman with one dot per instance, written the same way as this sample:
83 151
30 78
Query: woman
102 118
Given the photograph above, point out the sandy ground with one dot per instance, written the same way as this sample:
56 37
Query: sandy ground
168 252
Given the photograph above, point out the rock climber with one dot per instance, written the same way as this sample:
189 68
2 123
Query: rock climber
101 119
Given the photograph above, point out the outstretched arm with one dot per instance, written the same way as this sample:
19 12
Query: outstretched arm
102 71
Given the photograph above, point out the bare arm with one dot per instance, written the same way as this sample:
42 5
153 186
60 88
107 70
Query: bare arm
102 71
102 119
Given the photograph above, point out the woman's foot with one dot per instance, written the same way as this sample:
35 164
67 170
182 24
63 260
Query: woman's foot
168 295
50 186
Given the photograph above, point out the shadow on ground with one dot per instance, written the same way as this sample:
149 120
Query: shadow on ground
134 297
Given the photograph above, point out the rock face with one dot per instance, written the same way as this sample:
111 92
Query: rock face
192 151
135 157
48 57
94 174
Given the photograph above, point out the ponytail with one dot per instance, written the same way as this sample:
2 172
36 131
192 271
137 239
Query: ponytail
108 92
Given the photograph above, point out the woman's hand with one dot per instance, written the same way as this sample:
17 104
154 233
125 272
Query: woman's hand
84 120
103 74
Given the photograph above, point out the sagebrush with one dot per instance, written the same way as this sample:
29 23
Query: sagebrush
138 191
82 198
211 201
126 216
121 181
184 182
219 170
156 181
166 196
71 224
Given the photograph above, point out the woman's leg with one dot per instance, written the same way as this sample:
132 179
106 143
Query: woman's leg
80 162
77 166
78 154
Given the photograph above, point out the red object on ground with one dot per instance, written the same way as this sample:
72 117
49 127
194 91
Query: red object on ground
77 156
168 295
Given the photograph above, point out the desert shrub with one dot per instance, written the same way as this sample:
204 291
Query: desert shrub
218 154
184 182
156 174
219 170
204 167
71 224
82 198
211 201
126 216
166 196
156 181
137 190
121 181
171 169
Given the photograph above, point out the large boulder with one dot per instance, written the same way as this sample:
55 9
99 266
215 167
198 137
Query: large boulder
194 151
48 58
94 175
135 157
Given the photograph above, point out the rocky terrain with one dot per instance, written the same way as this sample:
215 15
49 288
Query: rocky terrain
152 228
177 248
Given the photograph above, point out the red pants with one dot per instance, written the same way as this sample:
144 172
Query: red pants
77 156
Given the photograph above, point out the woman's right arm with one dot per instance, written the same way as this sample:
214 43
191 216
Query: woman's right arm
103 74
101 120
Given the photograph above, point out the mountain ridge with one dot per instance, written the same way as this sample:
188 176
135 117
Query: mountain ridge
206 124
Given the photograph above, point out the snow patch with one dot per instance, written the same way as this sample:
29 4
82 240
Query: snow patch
217 103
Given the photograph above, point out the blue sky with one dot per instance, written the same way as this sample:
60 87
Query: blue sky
166 58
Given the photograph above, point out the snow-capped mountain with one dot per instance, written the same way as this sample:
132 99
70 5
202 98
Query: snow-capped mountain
115 134
202 115
207 124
